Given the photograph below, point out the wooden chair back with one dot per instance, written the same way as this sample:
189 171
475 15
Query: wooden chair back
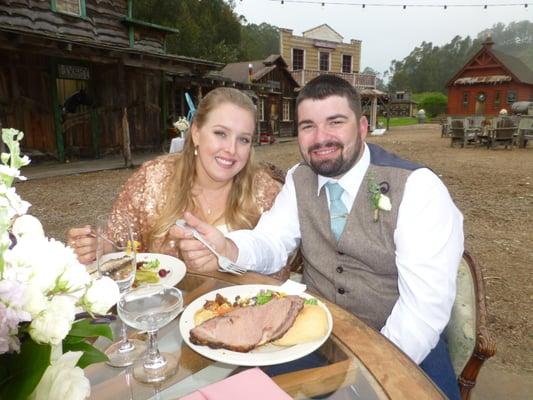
469 341
457 133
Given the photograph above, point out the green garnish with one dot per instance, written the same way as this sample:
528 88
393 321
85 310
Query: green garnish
312 302
143 276
264 297
154 264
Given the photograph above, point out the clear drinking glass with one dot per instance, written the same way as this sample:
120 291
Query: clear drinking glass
149 308
116 258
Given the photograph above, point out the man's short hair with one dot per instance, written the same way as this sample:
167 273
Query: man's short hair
330 85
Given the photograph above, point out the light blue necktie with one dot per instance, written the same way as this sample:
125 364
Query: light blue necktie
337 210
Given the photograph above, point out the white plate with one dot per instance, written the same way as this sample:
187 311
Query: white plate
174 265
267 354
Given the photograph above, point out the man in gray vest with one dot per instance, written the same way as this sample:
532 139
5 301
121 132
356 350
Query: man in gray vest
380 236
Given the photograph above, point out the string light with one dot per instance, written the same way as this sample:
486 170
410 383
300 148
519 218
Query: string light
404 6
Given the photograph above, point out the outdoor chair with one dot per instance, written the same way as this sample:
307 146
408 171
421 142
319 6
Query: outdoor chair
525 130
469 342
458 133
505 133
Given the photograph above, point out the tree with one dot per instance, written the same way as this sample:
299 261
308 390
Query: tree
434 103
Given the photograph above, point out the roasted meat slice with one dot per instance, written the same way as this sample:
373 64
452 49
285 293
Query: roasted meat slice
243 329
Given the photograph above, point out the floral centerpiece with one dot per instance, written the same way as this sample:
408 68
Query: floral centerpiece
181 125
42 288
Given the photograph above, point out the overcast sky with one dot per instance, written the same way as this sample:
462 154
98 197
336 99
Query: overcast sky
387 33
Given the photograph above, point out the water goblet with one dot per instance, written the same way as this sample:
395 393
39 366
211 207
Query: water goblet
116 258
149 308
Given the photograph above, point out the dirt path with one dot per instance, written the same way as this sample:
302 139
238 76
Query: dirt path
493 188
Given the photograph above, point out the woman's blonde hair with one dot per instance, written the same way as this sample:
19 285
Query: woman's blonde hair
241 210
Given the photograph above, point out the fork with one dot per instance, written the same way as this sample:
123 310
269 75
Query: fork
224 263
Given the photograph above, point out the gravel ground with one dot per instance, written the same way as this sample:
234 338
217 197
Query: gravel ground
493 188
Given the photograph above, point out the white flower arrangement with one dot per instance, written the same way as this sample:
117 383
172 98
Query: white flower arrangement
181 125
41 285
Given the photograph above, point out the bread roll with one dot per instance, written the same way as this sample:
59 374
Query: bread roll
310 324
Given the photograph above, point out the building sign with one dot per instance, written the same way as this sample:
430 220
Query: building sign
326 45
73 72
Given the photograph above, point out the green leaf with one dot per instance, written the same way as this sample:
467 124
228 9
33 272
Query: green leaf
84 328
22 372
91 355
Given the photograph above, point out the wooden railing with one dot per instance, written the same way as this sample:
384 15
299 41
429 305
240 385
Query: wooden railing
361 81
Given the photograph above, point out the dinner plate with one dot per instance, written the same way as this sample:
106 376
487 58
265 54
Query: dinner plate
175 266
267 354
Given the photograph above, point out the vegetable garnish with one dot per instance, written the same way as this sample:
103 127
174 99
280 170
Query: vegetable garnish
312 302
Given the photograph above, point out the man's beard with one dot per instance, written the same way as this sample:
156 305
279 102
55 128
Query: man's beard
333 167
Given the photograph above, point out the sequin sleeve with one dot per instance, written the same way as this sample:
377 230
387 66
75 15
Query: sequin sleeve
142 197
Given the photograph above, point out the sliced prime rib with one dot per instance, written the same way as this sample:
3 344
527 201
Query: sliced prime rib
243 329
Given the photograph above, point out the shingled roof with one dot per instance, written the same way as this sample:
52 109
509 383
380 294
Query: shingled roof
516 66
239 71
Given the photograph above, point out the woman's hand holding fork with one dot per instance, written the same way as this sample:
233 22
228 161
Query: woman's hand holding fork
83 242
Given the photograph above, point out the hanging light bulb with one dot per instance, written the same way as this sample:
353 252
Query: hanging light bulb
404 6
485 7
445 6
364 5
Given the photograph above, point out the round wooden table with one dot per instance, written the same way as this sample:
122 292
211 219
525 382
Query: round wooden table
361 363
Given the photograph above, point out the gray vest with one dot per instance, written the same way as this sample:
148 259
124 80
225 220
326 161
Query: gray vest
359 272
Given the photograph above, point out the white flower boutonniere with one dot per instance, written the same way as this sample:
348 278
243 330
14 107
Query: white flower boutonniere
378 197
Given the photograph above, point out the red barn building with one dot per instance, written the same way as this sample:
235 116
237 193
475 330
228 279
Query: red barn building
488 82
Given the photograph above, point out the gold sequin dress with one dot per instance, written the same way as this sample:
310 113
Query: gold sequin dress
143 196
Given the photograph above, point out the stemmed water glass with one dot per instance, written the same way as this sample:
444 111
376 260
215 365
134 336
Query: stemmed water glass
116 258
149 308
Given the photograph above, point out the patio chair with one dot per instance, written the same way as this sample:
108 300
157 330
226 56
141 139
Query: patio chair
504 134
458 133
525 131
469 342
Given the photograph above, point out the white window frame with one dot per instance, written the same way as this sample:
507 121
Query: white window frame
351 63
261 109
287 110
292 58
329 61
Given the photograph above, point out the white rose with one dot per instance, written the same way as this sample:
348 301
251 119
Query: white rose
63 380
384 203
74 278
27 225
101 295
34 300
52 325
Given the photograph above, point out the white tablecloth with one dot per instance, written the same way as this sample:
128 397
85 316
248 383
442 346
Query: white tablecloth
176 145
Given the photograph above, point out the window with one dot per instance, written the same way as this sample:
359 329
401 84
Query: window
323 61
399 95
497 98
297 59
287 110
261 109
347 63
465 99
74 7
511 96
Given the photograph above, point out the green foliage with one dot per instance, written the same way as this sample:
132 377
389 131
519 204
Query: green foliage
209 29
20 373
397 121
428 68
433 103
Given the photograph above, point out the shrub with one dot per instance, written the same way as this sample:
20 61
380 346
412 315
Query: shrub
433 103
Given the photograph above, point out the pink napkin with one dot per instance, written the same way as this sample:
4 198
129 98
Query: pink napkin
250 384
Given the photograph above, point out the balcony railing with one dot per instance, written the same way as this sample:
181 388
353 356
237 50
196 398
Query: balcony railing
360 81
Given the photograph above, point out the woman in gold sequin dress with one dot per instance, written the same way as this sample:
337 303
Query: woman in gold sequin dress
214 177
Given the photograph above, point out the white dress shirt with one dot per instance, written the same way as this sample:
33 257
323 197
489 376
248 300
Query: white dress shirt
429 246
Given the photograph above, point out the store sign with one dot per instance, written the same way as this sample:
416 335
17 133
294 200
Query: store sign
326 45
73 72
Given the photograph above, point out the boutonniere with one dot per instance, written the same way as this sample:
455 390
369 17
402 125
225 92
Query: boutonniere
378 196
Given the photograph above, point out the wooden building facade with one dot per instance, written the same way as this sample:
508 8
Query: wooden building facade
275 89
489 82
84 78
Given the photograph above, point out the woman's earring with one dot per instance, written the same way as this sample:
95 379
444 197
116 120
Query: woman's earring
196 150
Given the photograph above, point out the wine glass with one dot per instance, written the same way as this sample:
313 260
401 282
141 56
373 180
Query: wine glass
149 308
116 258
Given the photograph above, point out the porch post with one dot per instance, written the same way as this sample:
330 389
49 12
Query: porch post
122 100
57 112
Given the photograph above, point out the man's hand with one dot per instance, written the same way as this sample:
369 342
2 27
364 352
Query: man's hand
194 253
